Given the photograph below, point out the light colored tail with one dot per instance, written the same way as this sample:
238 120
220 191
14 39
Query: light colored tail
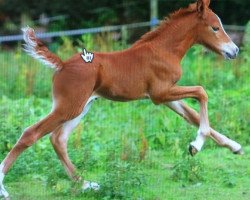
39 51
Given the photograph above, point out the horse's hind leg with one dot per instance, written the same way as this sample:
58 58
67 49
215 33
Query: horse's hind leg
59 139
29 137
35 132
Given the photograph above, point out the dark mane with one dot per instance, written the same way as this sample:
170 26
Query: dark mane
166 22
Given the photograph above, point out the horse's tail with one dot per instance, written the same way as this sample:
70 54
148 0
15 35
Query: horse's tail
39 51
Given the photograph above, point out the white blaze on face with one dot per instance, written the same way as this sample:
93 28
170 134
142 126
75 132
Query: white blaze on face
222 26
228 49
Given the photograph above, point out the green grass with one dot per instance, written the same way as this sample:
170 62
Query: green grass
109 130
108 145
226 177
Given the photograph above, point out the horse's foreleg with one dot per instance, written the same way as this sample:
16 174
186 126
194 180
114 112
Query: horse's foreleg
197 92
192 117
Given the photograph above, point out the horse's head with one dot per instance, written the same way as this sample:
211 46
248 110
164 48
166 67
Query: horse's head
210 31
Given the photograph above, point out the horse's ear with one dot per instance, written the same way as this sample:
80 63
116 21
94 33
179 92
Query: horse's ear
202 6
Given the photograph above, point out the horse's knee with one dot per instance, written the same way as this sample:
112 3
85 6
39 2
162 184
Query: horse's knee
202 95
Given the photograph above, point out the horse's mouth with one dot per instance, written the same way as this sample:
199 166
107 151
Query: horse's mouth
228 55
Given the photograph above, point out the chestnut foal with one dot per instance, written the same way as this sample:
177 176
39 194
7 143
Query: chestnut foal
149 69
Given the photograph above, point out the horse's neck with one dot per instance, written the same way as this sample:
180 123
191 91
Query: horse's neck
176 36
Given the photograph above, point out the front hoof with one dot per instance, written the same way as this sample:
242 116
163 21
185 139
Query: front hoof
192 150
239 152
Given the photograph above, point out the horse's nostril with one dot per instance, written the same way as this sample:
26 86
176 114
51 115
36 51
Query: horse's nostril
230 56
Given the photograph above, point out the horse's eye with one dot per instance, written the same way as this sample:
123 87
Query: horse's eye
215 29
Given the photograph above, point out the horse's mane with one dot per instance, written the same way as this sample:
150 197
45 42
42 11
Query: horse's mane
167 22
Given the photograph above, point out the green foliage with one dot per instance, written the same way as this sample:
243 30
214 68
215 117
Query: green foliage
134 150
229 178
16 115
67 49
189 170
246 53
103 42
120 178
87 41
21 75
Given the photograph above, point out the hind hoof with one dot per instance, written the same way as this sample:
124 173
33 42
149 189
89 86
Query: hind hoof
239 152
87 185
192 150
3 193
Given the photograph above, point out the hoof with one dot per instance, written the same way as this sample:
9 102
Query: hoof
239 152
192 150
4 194
87 185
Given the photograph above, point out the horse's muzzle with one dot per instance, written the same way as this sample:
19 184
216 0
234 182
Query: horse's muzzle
229 50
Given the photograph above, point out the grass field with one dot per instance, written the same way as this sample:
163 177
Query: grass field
225 177
134 150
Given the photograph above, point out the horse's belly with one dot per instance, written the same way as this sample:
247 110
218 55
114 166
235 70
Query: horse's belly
121 93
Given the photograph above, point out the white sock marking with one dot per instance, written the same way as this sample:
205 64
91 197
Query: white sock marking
199 141
1 174
3 192
175 105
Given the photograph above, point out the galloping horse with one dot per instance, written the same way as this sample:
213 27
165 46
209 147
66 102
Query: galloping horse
148 69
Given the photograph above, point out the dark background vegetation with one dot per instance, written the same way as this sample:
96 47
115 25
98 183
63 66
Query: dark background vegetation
85 13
